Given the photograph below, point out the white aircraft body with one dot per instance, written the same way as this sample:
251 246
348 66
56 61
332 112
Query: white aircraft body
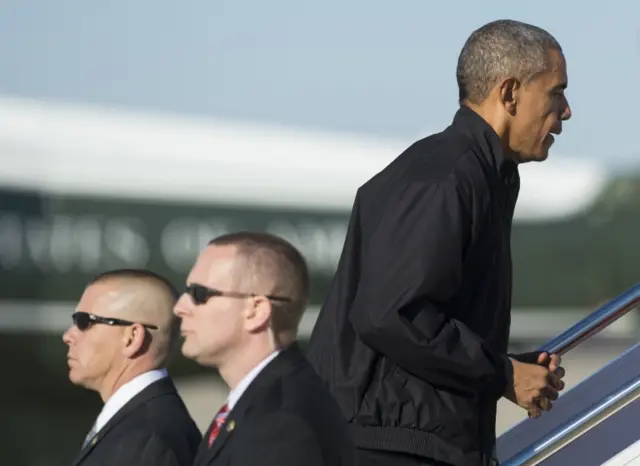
79 149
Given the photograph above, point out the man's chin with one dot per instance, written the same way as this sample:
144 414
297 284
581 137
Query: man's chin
78 380
542 156
539 156
189 352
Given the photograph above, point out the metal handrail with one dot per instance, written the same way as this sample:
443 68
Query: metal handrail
588 419
594 322
577 426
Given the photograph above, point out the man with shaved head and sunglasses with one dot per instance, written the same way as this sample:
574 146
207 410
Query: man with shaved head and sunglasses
119 344
244 300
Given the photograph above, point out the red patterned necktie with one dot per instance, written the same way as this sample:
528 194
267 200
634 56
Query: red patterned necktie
217 423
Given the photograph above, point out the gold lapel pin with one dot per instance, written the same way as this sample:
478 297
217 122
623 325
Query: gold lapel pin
94 440
231 425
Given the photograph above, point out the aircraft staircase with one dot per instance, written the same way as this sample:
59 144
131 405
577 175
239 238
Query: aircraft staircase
595 423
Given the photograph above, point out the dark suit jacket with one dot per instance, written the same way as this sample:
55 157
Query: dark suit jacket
153 429
285 417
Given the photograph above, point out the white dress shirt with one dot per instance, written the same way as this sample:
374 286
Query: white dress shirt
125 393
237 392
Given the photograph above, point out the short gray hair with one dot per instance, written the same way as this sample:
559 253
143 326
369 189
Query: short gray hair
501 49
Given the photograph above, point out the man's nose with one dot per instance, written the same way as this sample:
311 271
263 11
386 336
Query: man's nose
181 307
68 336
567 111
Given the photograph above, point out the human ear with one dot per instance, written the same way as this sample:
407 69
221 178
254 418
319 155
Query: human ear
135 340
509 94
257 316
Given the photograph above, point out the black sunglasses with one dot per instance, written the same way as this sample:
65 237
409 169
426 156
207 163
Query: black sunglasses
84 320
200 294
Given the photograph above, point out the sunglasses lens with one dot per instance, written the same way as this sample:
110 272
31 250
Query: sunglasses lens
198 293
81 320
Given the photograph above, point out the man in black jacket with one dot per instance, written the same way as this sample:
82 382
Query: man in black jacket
119 344
412 337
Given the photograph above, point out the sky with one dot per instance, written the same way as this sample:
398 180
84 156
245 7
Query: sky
369 67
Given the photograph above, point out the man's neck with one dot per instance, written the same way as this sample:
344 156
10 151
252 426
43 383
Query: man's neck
494 118
241 364
117 379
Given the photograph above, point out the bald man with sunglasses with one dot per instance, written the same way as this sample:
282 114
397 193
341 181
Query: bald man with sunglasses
119 344
240 313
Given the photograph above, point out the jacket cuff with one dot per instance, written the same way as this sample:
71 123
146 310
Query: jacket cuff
504 377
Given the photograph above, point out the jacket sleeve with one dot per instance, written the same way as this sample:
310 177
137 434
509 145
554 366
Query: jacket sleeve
411 267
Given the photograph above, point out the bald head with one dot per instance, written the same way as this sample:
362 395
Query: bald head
124 327
142 296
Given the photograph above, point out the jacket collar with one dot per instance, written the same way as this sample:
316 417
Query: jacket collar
469 123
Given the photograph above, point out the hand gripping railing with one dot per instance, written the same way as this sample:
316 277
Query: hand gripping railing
600 411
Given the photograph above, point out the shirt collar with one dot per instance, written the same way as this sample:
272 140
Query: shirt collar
125 393
239 389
